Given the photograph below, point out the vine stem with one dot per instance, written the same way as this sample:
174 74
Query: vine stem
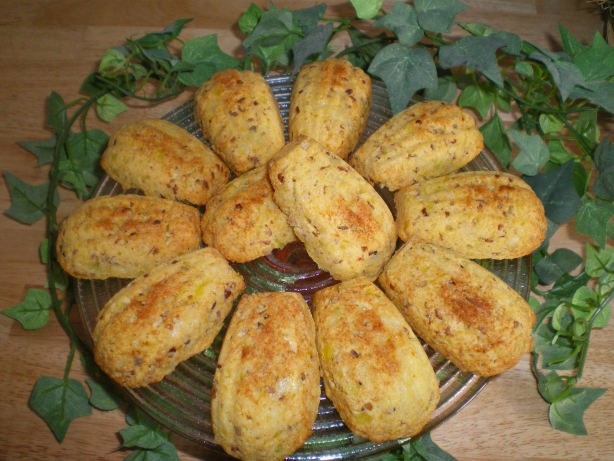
51 230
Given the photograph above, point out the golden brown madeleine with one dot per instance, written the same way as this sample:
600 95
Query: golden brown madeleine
125 235
330 103
347 228
164 160
164 317
240 117
459 308
375 370
426 140
479 214
267 383
243 222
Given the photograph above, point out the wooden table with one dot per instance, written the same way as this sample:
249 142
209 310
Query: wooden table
52 45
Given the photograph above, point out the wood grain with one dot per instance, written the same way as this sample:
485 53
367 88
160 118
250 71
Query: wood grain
52 45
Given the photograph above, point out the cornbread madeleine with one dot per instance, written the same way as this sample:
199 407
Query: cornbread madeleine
163 160
375 369
267 383
426 140
347 228
164 317
243 222
240 117
480 214
459 308
125 235
330 102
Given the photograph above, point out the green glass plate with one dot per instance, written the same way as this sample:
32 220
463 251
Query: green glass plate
181 402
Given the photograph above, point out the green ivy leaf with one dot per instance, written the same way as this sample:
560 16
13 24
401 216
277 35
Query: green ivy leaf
567 414
403 21
141 436
600 93
428 450
570 44
201 58
28 203
33 312
497 140
404 70
309 18
437 15
564 73
553 266
478 98
249 20
101 398
314 43
43 150
478 53
57 112
533 154
108 107
163 452
446 90
598 52
593 217
59 402
599 260
367 9
604 163
557 193
273 38
113 62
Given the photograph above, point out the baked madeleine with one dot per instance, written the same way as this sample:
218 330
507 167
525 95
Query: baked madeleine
165 317
330 103
462 310
426 140
243 221
125 235
240 117
267 382
375 370
480 214
346 226
163 160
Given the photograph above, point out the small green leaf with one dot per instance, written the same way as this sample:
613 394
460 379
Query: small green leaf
564 73
533 153
314 43
141 436
497 140
478 98
600 93
558 152
163 452
556 191
551 386
599 260
524 68
249 20
367 9
309 18
570 44
403 21
430 451
404 70
553 266
446 90
43 150
33 311
593 217
57 112
28 203
59 402
567 414
550 123
596 61
108 107
477 53
113 61
437 15
101 398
